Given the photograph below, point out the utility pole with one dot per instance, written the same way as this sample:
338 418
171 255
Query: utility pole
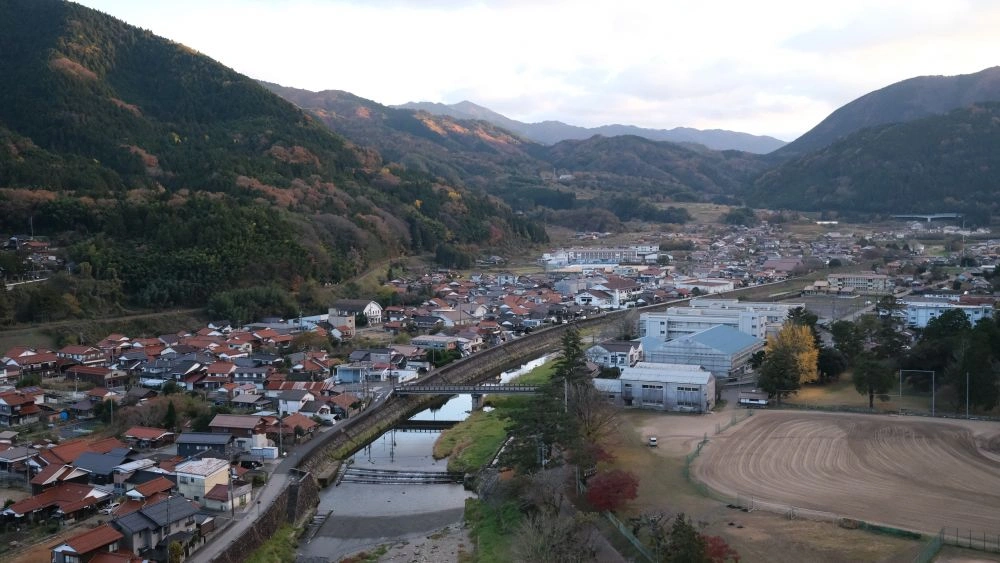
967 394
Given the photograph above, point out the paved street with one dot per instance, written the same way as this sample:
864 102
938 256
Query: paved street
282 475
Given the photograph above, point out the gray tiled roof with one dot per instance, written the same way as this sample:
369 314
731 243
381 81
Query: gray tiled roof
155 516
204 438
99 464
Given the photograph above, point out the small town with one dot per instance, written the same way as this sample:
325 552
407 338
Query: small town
137 445
487 282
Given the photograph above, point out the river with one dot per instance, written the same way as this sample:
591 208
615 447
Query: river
364 516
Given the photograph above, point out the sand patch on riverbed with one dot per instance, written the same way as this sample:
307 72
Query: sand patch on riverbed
444 546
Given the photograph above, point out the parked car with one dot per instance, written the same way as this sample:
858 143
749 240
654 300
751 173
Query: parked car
327 422
111 508
652 441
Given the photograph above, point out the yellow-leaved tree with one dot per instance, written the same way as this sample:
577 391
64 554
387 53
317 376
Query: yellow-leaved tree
797 340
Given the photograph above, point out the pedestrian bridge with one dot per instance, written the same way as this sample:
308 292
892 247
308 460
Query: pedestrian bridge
464 389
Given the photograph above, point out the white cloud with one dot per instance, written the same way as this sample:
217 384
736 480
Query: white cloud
765 67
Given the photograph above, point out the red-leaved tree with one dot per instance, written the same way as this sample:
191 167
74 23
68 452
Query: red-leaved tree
718 551
610 490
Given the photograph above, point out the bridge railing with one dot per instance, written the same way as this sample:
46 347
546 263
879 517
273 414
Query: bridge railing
461 389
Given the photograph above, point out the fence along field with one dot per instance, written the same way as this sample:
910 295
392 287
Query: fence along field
886 474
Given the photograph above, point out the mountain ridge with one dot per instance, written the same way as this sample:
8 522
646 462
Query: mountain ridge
906 100
507 165
550 131
940 163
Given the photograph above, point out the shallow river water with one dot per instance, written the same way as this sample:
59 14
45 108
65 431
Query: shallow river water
363 516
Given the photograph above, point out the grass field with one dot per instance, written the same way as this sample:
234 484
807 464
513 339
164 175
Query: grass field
843 394
470 444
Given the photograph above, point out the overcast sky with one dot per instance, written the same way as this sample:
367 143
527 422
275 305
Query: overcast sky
764 67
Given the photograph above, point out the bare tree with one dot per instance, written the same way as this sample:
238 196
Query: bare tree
596 417
554 537
625 326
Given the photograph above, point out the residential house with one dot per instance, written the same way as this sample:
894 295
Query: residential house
220 445
371 310
615 353
291 423
620 290
594 298
55 474
254 375
250 401
228 497
325 408
65 500
291 401
153 527
99 376
146 437
29 361
150 489
439 342
84 355
16 458
249 431
17 408
68 452
197 477
86 546
101 467
99 394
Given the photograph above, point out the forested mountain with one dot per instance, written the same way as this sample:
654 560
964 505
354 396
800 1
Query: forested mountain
479 154
174 177
651 168
473 153
551 132
908 100
943 163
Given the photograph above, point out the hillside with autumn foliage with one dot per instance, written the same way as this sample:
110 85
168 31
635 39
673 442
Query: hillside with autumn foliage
172 177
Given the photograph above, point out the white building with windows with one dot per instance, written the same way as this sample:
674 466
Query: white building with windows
615 353
919 312
665 387
755 319
861 283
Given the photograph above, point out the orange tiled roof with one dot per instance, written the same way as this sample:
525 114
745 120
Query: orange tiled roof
90 540
67 452
69 497
120 556
158 485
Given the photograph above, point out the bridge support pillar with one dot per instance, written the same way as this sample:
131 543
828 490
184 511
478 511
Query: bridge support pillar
477 402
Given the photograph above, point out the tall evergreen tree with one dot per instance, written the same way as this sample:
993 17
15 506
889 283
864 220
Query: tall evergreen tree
872 377
170 419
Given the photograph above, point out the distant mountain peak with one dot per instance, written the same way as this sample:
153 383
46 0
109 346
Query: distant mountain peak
903 101
550 132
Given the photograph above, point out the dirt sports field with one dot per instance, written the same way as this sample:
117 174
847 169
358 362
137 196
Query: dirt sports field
913 473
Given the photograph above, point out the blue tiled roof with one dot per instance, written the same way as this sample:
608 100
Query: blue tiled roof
723 338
